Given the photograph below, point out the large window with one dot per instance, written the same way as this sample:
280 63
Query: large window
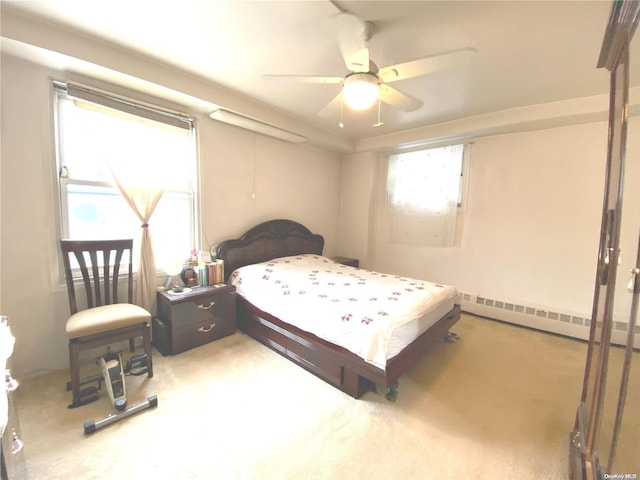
101 137
425 191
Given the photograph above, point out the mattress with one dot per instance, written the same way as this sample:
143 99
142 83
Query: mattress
372 314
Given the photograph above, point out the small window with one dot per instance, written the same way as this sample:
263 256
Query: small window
95 133
425 191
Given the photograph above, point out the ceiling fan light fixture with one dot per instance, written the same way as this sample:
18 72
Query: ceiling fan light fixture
360 90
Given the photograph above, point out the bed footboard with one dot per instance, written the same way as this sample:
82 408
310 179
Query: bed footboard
296 345
334 364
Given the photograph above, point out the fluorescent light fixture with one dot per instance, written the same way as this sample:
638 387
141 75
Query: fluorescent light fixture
233 118
361 90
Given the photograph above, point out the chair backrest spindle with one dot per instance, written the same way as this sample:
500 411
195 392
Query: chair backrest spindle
100 276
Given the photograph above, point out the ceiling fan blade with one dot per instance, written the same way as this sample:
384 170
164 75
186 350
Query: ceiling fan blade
359 61
426 65
307 78
353 33
331 108
398 99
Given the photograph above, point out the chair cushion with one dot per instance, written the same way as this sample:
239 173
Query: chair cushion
105 318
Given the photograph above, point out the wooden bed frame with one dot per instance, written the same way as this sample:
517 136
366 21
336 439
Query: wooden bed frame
334 364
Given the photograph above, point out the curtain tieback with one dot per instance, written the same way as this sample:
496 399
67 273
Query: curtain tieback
144 225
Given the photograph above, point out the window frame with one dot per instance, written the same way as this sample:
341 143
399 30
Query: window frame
461 204
60 90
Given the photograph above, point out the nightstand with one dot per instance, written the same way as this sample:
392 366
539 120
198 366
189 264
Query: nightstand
187 320
352 262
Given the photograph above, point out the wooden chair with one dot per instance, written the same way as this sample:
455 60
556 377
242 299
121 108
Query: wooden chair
105 320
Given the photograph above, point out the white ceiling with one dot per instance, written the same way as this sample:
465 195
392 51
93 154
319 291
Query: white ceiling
529 52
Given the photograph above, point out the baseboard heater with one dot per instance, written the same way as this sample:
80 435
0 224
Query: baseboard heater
541 318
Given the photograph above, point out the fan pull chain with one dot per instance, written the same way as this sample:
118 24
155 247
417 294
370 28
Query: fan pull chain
341 125
380 123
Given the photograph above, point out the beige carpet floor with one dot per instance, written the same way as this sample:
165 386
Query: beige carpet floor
498 403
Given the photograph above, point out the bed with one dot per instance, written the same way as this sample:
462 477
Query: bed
275 246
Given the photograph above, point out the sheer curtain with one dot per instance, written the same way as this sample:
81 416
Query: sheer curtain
143 201
142 184
423 192
141 165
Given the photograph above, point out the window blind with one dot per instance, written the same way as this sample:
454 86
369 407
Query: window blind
109 100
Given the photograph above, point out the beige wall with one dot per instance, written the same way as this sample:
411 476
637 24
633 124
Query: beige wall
530 228
357 206
291 181
298 182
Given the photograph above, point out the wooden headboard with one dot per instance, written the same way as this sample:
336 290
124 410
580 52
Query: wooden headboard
269 240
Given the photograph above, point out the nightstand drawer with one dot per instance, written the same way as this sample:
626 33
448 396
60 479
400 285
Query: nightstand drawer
210 308
200 333
194 318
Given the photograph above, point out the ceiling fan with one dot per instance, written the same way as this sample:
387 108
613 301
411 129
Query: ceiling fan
366 83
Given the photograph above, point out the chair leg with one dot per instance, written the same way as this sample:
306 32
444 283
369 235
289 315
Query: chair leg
75 372
132 346
146 337
79 396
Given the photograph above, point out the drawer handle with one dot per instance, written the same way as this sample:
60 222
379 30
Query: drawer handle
16 443
202 306
12 383
208 329
576 440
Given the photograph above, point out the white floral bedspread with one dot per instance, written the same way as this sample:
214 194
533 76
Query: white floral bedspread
354 308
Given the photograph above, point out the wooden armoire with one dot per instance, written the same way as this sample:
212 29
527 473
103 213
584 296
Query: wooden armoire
600 431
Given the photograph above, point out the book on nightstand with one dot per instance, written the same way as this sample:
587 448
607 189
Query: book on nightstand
214 272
